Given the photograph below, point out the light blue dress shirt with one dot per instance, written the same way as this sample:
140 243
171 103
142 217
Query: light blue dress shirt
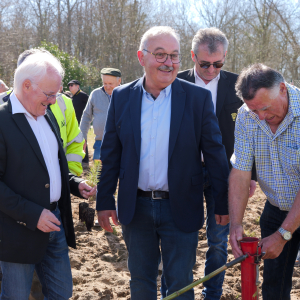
155 132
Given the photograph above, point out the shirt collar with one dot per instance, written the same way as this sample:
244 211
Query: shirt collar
198 77
165 92
103 89
294 96
17 107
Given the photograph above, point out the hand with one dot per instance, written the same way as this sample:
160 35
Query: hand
222 219
252 188
84 146
85 190
47 221
272 245
103 219
236 235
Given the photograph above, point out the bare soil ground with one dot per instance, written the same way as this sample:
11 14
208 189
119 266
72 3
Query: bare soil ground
99 264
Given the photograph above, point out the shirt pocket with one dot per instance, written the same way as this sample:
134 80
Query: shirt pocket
290 160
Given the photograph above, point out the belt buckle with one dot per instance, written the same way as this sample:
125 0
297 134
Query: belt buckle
153 197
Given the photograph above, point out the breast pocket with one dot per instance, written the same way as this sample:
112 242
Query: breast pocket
290 160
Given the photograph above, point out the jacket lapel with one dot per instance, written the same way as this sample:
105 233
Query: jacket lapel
25 128
177 110
190 77
135 100
221 92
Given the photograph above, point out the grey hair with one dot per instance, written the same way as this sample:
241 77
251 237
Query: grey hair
3 83
28 52
35 67
255 77
212 38
157 31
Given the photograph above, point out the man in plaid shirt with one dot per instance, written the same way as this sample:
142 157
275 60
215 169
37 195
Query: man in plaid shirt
268 130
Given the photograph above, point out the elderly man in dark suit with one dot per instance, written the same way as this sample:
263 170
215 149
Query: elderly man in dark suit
209 49
35 206
155 131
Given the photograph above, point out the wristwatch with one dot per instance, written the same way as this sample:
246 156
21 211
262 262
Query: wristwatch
286 235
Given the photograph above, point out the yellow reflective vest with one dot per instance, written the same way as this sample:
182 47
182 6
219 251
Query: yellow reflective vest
70 133
2 95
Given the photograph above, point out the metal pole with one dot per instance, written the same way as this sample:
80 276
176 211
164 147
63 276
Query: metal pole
207 277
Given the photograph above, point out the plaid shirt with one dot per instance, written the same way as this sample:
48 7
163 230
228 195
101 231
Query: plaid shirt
277 156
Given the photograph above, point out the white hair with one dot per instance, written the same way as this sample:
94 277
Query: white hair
35 67
157 31
3 83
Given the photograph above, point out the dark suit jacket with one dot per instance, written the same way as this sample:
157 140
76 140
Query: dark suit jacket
80 100
227 107
25 192
194 128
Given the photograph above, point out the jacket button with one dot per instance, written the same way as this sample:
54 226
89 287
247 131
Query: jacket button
47 186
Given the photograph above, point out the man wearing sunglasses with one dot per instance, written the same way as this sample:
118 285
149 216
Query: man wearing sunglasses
209 49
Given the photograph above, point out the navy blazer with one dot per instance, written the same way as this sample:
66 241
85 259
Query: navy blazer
193 128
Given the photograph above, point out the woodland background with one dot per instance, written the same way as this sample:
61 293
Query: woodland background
88 35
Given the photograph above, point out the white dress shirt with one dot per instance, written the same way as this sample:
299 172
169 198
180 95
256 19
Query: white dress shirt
48 145
212 86
155 132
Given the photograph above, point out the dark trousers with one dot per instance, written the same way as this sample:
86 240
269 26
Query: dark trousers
277 276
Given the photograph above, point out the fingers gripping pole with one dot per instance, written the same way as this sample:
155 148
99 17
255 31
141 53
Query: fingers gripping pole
207 277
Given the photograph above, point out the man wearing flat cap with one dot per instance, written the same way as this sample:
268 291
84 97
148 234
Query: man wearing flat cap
97 107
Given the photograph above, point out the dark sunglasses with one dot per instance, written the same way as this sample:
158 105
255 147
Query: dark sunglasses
206 65
71 84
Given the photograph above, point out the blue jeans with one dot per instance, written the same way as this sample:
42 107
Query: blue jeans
277 275
97 146
217 238
153 223
54 272
216 255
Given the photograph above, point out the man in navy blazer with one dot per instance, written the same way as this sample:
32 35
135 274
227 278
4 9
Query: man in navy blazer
156 129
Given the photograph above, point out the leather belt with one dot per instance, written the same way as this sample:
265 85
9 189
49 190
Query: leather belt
53 206
153 194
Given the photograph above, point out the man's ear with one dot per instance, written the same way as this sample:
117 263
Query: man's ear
141 56
27 85
193 56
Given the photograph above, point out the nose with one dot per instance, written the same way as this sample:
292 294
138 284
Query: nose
52 100
211 69
168 62
261 115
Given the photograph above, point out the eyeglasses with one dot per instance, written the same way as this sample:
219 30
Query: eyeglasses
206 65
162 57
49 97
71 84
